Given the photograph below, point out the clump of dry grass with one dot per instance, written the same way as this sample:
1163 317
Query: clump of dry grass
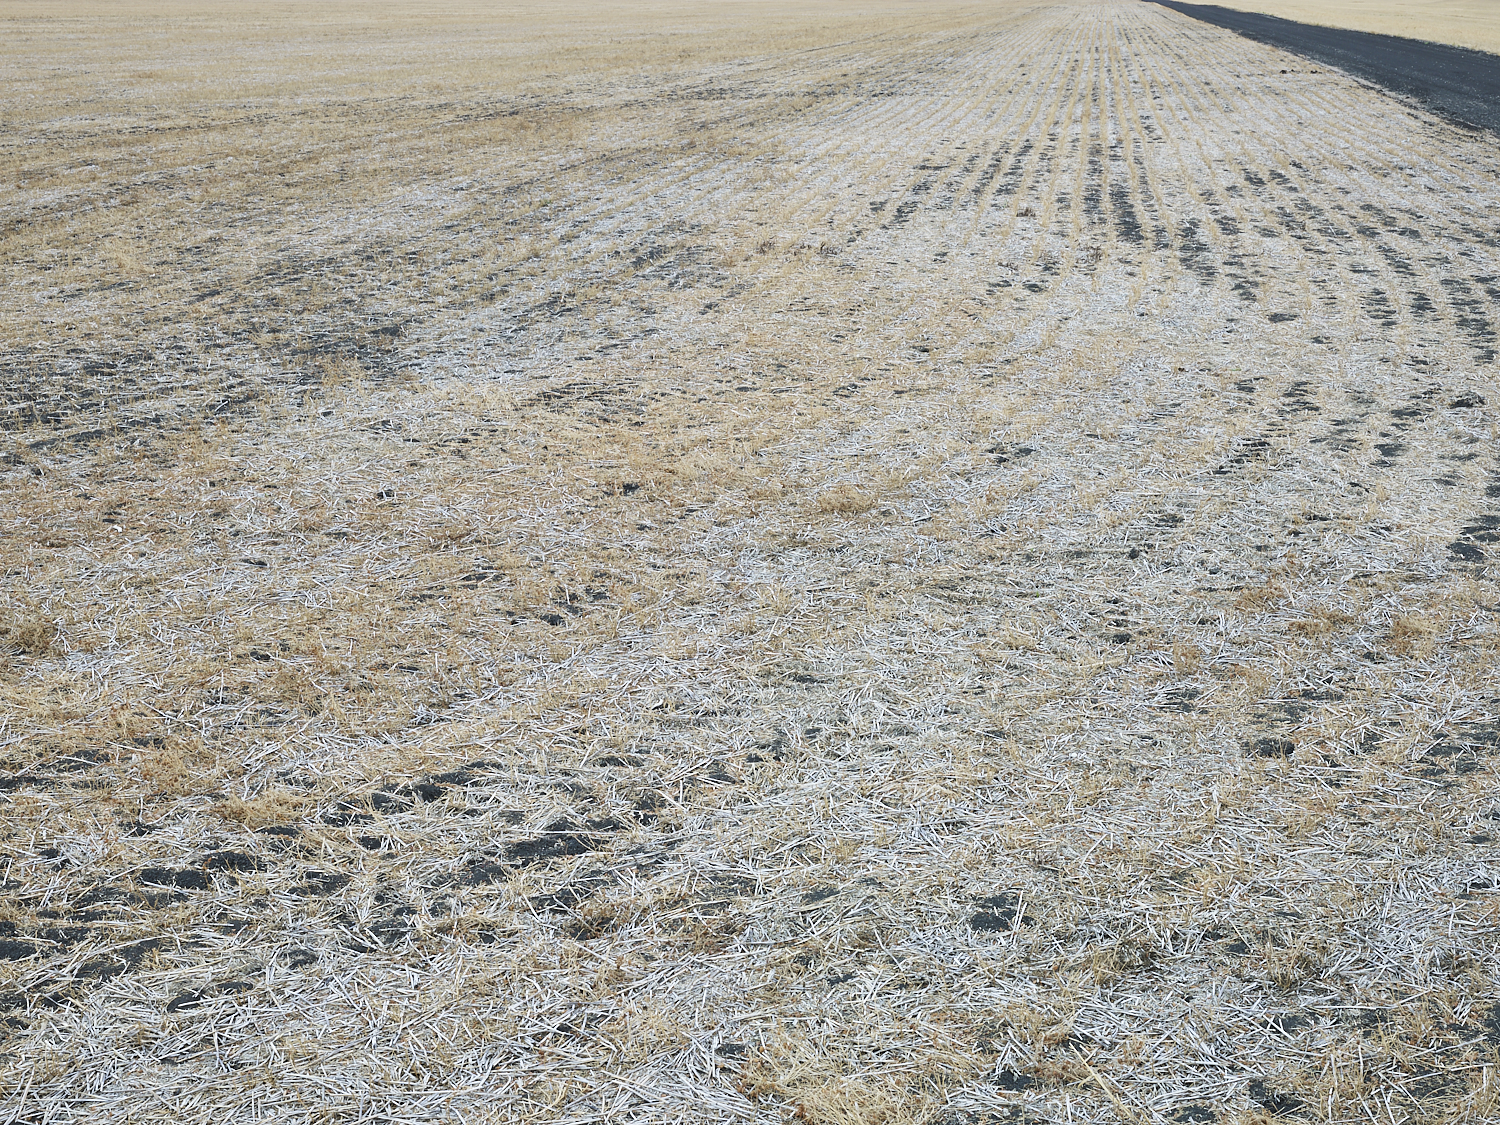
845 500
27 633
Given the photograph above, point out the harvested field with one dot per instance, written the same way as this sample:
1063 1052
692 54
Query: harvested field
927 563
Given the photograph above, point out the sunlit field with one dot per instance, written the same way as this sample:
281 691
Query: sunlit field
1462 23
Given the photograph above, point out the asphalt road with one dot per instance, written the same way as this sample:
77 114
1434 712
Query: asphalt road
1459 83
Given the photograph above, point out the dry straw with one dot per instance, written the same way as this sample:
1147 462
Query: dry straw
905 564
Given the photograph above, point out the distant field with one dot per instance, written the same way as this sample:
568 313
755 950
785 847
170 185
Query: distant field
1463 23
862 565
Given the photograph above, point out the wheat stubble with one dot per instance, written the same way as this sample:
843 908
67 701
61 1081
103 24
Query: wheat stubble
912 563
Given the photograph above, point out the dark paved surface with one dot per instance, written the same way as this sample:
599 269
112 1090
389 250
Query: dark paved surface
1456 82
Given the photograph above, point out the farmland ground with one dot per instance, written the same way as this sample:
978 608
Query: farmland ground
1460 23
921 564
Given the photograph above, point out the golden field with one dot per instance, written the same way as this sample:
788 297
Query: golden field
1460 23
